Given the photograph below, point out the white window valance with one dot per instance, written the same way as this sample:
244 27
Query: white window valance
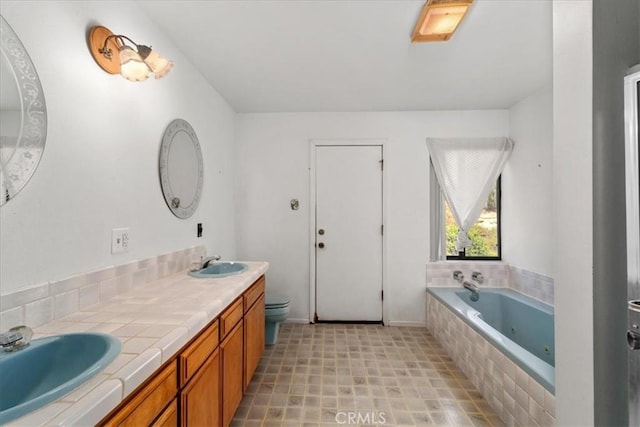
467 169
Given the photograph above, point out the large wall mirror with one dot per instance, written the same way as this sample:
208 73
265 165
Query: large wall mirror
23 115
181 169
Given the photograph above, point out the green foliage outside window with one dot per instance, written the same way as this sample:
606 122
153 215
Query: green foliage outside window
483 241
483 234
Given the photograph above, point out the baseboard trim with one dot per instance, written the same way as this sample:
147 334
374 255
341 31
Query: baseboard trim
392 323
297 321
352 322
407 323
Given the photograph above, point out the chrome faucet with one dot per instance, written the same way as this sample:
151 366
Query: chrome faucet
204 262
472 287
16 338
457 275
475 292
476 276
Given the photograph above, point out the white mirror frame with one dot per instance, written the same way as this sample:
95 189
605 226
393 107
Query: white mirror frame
181 208
18 164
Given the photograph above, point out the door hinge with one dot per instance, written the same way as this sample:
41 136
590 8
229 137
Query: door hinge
382 295
382 164
382 229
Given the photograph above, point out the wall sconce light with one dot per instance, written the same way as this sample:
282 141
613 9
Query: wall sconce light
133 63
439 20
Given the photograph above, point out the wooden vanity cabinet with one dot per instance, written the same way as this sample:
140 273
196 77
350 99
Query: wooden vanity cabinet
254 340
205 383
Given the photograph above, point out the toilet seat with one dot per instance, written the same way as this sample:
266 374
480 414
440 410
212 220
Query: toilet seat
276 311
276 301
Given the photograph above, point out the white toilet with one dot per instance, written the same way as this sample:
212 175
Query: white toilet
276 311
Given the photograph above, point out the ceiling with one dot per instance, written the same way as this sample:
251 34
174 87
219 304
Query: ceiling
356 55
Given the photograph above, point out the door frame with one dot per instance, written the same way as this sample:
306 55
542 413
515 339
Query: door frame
313 144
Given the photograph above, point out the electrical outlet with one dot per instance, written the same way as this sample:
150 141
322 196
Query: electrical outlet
119 240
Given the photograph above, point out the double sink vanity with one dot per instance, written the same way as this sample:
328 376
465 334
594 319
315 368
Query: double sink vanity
188 347
144 343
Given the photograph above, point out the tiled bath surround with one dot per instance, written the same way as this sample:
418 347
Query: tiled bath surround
533 284
516 397
497 274
49 301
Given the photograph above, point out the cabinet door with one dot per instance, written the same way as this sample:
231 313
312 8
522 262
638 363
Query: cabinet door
232 370
253 338
200 399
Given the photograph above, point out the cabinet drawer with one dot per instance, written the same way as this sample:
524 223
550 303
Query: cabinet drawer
253 293
197 352
169 417
148 402
230 317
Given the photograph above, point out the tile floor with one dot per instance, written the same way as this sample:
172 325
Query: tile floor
328 374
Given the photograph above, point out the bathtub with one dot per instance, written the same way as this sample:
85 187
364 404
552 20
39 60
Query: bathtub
519 327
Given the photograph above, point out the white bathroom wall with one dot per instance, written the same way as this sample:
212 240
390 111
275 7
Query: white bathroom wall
527 186
100 165
273 167
573 211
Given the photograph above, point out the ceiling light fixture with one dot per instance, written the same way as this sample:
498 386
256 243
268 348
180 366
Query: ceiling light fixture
133 63
439 19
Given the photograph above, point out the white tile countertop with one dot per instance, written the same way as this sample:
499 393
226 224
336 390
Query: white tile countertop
152 321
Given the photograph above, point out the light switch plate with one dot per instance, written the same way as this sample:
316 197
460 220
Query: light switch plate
119 240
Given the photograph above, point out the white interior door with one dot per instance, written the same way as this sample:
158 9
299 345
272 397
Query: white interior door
349 233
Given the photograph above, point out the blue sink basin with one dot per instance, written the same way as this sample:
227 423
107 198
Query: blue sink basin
220 269
50 368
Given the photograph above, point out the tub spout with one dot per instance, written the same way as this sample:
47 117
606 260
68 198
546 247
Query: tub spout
475 292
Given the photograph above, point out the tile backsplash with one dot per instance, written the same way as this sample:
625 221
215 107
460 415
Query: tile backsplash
497 274
49 301
533 284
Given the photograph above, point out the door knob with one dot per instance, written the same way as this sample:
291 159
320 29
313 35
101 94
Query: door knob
321 245
321 231
633 340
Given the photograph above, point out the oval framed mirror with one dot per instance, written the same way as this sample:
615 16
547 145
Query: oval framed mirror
181 168
23 114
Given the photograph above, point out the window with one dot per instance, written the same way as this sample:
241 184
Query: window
466 172
485 233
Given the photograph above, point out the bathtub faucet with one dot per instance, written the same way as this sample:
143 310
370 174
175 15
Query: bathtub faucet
477 277
475 292
458 276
